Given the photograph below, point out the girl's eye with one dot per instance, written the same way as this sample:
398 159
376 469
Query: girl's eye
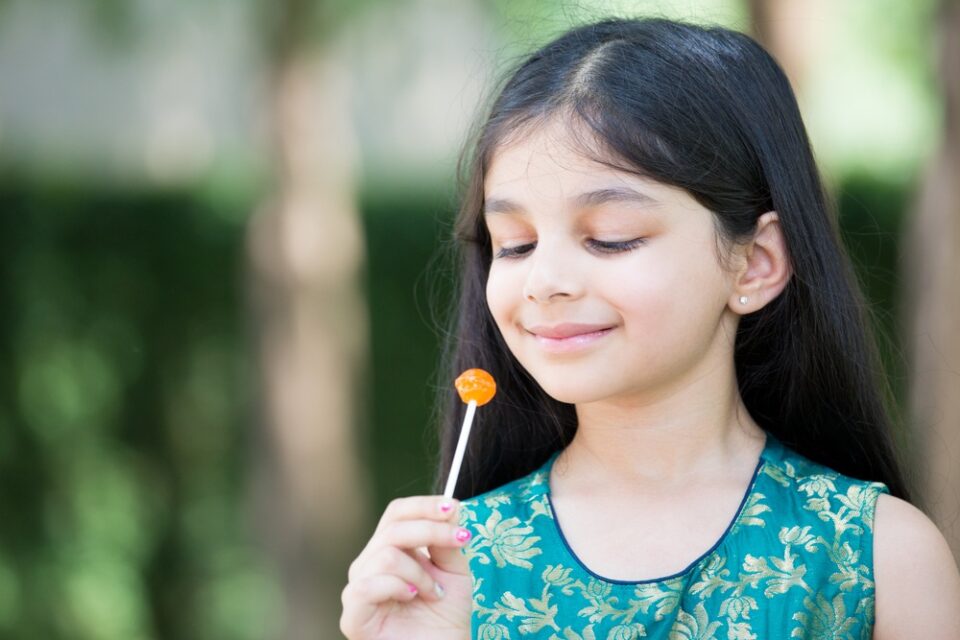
514 252
617 247
599 245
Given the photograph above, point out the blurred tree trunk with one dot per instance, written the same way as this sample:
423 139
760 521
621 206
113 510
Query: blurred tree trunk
789 30
305 256
932 300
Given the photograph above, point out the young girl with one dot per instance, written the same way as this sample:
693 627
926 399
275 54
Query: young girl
690 437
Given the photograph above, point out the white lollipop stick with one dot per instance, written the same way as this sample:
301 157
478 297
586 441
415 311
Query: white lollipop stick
461 447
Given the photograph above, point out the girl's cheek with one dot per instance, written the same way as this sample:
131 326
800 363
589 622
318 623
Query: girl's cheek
505 299
646 296
495 295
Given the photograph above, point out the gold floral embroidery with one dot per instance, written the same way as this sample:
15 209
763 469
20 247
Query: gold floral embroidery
497 500
778 578
665 596
599 602
800 537
865 609
694 627
783 475
740 631
819 485
849 570
534 613
627 632
539 507
752 512
509 541
713 576
823 619
852 505
570 634
738 607
558 577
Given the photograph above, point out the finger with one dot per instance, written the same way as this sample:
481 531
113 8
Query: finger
456 517
393 561
362 598
414 507
412 534
451 559
454 559
372 561
419 507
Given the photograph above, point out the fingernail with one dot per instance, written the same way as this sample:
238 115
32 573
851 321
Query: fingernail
463 535
411 588
438 590
446 507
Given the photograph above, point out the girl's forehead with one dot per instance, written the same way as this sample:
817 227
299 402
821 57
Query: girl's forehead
549 147
521 175
555 160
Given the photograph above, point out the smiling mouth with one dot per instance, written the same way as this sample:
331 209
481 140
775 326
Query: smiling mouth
570 343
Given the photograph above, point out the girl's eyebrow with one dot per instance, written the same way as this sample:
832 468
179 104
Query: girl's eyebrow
587 199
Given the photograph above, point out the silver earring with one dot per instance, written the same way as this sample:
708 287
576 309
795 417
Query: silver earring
743 299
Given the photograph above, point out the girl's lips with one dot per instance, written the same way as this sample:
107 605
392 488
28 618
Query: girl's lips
571 343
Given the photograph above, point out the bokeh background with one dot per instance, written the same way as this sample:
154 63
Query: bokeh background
224 276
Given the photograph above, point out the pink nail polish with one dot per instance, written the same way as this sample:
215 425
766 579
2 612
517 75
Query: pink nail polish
411 588
446 506
463 535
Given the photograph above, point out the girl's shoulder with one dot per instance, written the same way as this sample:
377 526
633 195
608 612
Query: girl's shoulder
918 583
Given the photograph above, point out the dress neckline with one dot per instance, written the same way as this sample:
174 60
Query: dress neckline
772 448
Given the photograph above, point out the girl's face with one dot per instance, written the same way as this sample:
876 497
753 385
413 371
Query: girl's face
630 260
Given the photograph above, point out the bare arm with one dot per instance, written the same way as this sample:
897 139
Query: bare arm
917 581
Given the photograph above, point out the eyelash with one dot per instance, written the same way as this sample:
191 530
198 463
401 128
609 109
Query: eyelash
599 245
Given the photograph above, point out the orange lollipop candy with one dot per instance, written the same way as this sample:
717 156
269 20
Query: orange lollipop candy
476 387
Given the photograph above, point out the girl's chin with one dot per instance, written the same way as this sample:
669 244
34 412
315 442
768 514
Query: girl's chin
572 390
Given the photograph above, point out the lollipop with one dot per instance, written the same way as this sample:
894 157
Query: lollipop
476 387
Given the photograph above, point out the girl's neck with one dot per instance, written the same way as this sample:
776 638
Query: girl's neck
686 436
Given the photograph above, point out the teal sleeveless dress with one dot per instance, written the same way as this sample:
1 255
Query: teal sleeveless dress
796 561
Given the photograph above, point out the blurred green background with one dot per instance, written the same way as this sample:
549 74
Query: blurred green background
130 425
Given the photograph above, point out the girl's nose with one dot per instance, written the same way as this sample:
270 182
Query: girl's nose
551 276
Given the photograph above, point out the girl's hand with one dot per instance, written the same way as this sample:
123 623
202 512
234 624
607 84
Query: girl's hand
390 593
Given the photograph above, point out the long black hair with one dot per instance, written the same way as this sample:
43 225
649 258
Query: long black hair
708 110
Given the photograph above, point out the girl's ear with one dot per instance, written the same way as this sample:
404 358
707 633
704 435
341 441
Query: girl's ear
765 267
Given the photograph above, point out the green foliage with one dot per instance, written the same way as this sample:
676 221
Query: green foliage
408 286
124 420
872 210
528 24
